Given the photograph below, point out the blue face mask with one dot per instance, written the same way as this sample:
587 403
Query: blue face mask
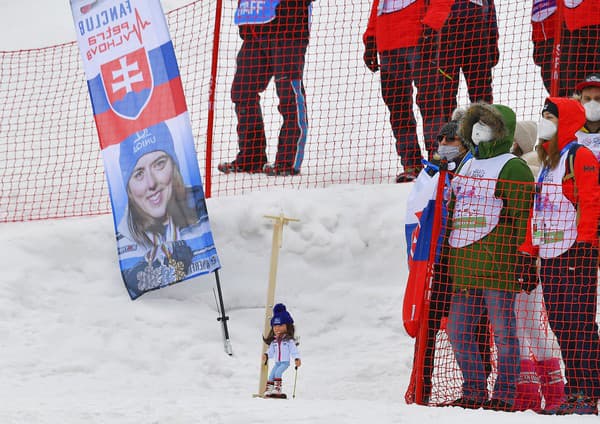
448 152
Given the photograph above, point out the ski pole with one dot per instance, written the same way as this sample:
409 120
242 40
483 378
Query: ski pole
295 379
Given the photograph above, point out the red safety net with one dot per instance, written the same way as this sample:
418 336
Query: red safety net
51 166
501 329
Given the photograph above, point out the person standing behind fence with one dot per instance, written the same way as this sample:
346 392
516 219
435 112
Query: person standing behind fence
275 38
588 93
524 144
540 353
582 18
543 27
563 233
468 42
400 31
579 40
452 150
492 195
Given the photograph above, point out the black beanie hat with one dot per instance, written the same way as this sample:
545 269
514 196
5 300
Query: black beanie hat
549 106
450 130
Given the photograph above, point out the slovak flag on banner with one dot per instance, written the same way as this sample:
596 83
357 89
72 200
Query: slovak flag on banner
161 222
128 83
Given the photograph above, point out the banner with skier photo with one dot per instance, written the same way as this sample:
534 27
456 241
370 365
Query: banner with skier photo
159 211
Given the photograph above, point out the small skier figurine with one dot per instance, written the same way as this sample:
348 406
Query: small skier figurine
282 348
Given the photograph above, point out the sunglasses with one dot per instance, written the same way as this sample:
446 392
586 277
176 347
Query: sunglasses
449 139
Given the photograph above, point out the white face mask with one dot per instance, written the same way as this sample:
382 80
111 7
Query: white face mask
481 133
448 152
592 111
546 129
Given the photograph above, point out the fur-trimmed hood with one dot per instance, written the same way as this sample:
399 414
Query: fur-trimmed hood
501 119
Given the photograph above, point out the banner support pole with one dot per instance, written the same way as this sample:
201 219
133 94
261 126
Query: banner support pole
223 318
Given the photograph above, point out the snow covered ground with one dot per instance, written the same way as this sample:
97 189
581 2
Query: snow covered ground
75 349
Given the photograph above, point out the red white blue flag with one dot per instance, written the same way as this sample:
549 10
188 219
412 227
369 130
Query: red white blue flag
424 216
160 216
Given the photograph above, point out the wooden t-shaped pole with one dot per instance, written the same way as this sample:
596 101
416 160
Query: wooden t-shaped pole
279 222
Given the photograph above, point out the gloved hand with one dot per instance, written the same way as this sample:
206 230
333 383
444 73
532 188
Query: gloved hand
526 272
370 55
183 253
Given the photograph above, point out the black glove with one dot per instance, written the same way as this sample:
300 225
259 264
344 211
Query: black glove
370 56
526 273
183 253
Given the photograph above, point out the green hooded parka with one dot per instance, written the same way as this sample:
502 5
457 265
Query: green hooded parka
490 261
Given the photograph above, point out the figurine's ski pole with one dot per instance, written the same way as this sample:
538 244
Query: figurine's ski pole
295 379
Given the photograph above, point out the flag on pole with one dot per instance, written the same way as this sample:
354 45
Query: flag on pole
421 232
159 211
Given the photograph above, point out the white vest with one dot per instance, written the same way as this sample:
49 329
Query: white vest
477 209
391 6
554 223
591 141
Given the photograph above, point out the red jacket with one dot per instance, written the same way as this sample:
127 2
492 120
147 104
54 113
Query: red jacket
583 190
404 27
544 30
585 14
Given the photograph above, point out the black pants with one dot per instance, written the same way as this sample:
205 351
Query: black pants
399 68
570 283
468 43
258 61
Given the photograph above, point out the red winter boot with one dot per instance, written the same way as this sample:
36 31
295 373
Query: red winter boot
276 393
528 388
277 389
269 389
553 385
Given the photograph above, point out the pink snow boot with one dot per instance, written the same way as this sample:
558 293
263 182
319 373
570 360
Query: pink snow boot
553 385
528 388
